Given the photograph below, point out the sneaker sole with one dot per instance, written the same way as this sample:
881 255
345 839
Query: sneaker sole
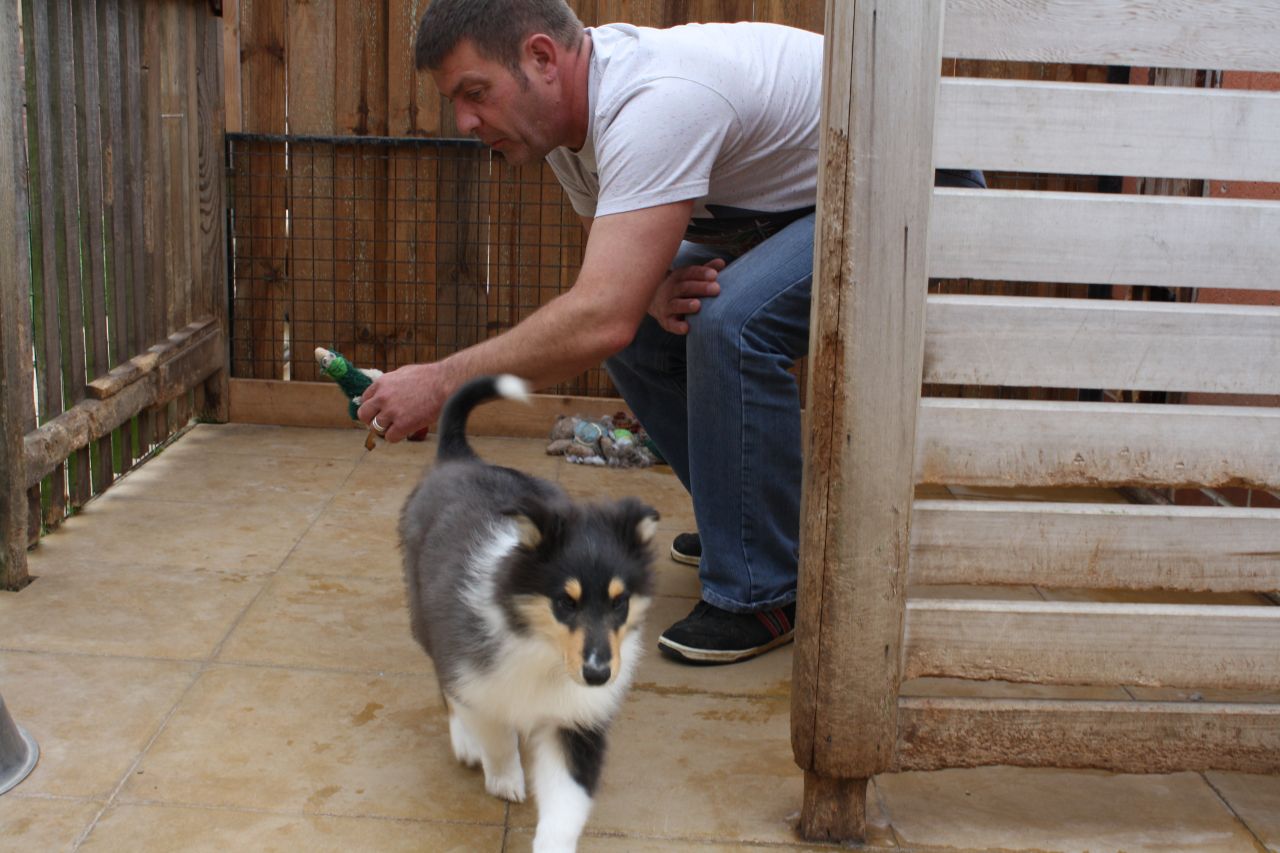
685 558
722 656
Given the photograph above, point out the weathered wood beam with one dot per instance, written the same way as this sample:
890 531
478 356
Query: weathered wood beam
165 371
865 361
1228 647
1235 34
1126 737
1098 546
16 364
139 366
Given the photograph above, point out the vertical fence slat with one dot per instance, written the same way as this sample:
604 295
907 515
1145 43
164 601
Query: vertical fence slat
16 406
140 260
866 358
260 309
211 120
50 352
360 109
311 74
91 177
116 160
72 307
154 307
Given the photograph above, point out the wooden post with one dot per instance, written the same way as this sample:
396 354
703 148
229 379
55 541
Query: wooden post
866 356
211 114
15 316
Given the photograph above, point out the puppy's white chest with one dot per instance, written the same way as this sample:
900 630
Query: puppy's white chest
529 688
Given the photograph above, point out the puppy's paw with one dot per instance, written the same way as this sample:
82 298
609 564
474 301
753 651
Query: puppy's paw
465 748
508 785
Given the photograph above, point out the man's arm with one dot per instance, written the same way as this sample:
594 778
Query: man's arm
628 256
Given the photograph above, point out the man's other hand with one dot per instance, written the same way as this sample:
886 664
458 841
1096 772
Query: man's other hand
681 294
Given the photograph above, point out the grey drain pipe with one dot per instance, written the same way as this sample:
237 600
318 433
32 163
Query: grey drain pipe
18 751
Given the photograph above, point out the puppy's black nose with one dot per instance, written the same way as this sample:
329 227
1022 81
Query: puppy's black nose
595 674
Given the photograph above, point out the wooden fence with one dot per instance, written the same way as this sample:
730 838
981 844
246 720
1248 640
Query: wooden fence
867 544
114 265
393 250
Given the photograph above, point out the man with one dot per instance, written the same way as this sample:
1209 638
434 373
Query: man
691 156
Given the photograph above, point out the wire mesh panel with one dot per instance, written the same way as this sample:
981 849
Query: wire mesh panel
391 250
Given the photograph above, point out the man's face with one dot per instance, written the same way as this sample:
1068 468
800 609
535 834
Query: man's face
509 113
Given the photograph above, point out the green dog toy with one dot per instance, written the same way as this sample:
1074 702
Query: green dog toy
353 381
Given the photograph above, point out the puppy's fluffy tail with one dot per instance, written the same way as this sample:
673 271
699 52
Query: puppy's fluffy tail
453 422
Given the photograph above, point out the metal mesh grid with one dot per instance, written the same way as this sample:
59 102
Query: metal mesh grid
390 250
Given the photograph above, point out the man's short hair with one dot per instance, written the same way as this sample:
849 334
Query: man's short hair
497 28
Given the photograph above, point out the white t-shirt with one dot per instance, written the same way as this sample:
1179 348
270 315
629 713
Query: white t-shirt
725 114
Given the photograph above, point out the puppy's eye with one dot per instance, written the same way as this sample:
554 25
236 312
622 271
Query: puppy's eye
566 604
620 603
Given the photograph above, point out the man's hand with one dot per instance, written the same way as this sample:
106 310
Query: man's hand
405 400
681 292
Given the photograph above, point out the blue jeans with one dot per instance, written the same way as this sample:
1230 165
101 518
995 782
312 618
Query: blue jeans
724 411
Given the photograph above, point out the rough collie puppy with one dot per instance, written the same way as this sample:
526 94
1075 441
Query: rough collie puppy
529 605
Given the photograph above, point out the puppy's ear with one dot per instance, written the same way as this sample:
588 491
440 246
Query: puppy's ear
638 520
527 531
537 524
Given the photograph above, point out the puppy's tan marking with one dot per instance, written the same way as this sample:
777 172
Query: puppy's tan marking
573 589
616 588
537 613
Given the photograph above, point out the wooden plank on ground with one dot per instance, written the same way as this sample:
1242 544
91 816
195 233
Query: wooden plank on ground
1228 34
1100 546
1049 443
15 313
320 404
1084 129
1019 235
1126 737
866 355
1053 642
1076 343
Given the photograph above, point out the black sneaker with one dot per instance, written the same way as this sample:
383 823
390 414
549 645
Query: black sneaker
712 635
687 548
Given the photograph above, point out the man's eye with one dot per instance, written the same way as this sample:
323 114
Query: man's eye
475 95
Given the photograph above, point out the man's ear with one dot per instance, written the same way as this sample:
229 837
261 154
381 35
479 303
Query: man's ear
544 53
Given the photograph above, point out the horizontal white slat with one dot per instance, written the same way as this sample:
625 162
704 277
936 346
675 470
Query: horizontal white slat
1087 238
1106 546
1073 128
1039 443
1218 34
1130 737
1076 343
1050 642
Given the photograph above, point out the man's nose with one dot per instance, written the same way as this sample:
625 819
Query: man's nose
466 120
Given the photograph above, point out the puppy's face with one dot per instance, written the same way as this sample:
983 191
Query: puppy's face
581 582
